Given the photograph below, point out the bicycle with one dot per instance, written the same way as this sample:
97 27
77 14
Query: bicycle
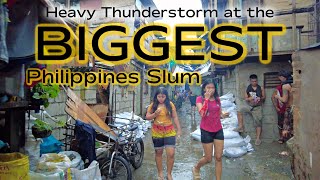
131 147
111 163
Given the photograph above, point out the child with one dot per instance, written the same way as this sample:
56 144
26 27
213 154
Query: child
163 131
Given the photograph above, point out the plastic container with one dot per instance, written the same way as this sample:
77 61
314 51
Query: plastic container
14 166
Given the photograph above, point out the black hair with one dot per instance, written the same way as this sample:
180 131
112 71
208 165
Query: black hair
161 90
287 75
253 76
215 94
284 73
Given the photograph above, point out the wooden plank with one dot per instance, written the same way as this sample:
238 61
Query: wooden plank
100 109
83 107
78 114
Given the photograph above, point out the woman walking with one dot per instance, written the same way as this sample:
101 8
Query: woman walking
193 98
163 131
212 136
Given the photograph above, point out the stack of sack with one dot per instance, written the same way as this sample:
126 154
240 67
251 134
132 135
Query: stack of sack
65 165
234 144
126 118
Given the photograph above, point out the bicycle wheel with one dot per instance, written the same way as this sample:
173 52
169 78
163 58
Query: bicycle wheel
120 169
138 150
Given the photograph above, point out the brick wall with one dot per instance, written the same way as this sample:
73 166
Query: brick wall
306 148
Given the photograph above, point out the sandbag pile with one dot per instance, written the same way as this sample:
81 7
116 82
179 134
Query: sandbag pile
65 165
234 144
126 118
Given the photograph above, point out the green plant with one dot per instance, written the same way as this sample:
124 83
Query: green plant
44 92
41 125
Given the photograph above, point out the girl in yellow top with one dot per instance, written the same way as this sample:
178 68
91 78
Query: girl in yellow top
163 131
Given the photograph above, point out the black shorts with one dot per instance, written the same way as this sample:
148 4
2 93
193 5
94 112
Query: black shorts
208 137
280 120
193 103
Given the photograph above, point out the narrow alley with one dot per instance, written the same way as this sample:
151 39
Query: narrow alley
264 163
80 80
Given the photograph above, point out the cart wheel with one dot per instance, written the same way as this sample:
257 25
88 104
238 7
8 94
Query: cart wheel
138 150
120 169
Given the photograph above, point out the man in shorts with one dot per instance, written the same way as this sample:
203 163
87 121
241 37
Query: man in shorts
287 99
280 108
254 98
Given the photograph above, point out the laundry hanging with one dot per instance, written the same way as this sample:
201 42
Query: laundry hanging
20 39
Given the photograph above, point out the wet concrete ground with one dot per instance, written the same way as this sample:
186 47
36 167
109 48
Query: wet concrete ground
264 163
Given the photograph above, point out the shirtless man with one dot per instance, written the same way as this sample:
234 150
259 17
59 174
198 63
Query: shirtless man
287 99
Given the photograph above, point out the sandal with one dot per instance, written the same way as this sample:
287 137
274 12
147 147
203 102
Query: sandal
160 178
196 175
258 142
280 141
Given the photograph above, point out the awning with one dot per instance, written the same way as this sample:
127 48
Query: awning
204 68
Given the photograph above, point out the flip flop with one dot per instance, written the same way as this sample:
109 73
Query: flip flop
258 142
196 175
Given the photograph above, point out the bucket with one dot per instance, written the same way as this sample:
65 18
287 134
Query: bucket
14 166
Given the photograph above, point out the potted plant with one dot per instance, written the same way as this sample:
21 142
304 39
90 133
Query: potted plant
41 94
42 129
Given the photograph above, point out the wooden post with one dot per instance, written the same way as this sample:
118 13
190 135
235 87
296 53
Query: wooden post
294 24
261 6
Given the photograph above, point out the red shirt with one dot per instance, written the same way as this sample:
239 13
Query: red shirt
211 121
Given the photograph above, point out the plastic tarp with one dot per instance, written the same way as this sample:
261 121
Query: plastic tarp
126 118
92 172
234 152
24 19
32 149
50 145
75 158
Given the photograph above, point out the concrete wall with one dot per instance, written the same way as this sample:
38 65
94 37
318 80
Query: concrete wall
302 19
306 148
124 98
229 83
237 82
57 106
282 43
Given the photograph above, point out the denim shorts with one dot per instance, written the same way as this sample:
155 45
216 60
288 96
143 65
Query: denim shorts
208 137
161 143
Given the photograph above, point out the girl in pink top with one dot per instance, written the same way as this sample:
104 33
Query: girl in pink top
209 108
